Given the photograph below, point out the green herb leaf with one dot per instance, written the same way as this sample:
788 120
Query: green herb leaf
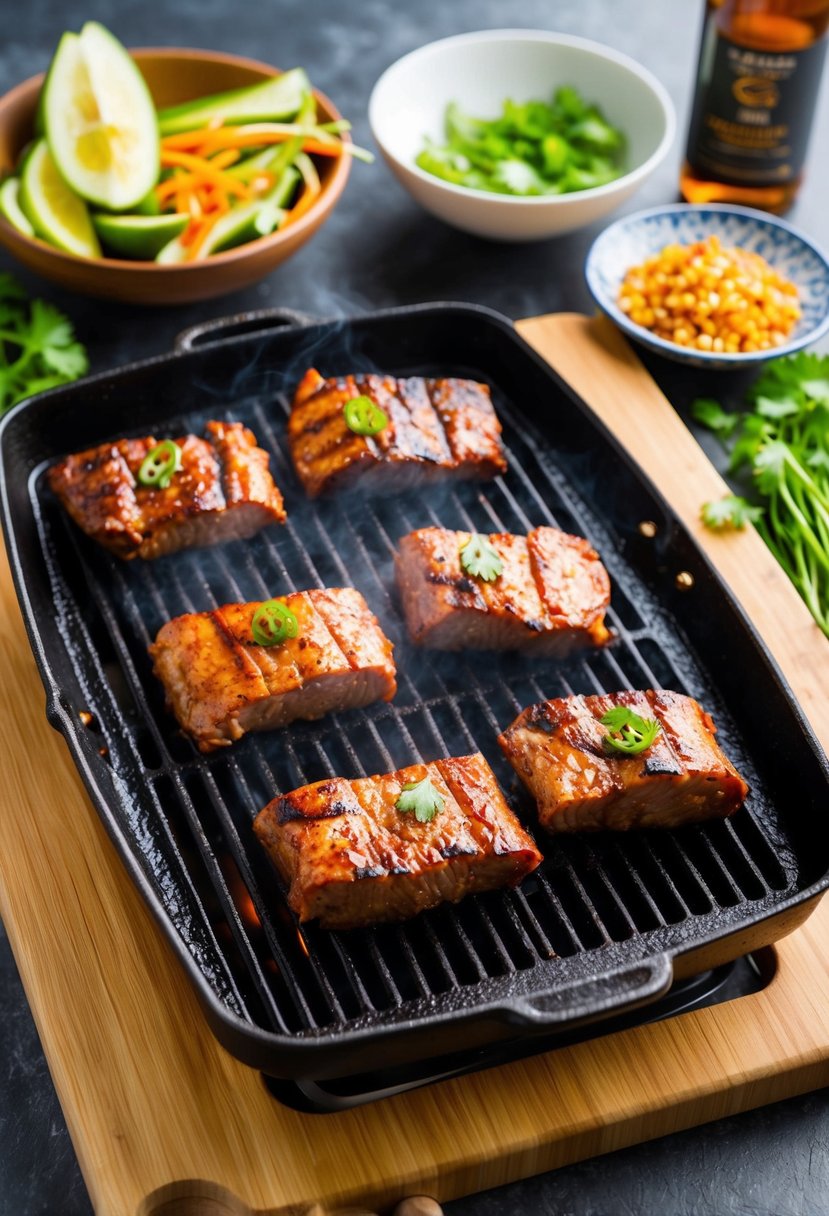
817 390
38 349
480 558
628 732
771 407
422 799
711 414
729 512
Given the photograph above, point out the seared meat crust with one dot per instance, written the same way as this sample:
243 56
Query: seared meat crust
351 858
437 429
557 748
550 597
220 684
223 491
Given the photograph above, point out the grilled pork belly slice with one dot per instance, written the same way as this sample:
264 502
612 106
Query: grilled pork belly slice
222 492
351 858
436 429
220 683
550 597
558 750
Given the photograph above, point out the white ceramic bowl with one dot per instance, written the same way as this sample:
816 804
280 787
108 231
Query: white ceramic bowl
636 237
480 71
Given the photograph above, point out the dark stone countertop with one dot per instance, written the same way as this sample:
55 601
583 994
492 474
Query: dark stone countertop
378 250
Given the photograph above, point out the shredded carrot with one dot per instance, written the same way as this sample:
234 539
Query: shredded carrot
198 184
203 169
254 135
166 189
201 236
224 159
309 196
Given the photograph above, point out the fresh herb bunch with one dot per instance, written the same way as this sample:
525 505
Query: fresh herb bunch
782 441
532 149
38 349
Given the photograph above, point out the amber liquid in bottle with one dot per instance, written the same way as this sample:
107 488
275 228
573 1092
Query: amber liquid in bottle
757 84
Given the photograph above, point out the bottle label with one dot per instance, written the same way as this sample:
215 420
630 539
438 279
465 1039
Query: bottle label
753 111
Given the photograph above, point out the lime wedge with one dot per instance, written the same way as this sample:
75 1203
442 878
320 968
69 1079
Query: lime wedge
100 120
10 206
138 236
55 212
172 254
274 100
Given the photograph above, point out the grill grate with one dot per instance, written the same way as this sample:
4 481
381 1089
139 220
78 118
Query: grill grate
187 818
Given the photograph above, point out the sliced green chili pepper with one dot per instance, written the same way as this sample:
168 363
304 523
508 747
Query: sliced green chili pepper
273 623
159 465
363 417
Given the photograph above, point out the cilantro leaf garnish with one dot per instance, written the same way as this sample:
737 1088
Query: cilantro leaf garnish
731 511
480 558
712 415
627 731
421 798
38 349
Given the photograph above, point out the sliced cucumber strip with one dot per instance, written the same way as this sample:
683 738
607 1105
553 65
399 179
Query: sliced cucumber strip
274 100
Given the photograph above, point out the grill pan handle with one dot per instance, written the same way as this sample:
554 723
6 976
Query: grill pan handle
601 996
256 321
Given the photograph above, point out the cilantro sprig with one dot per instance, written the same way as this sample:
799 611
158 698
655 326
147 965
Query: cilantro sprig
421 799
38 349
628 732
779 445
480 558
729 512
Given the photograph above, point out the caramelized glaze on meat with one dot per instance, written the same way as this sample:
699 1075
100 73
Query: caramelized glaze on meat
437 428
351 858
223 491
220 684
557 749
550 597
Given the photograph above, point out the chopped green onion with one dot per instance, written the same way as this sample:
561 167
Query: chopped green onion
273 623
364 417
159 465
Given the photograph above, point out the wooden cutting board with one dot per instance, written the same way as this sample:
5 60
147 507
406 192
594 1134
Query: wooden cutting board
164 1121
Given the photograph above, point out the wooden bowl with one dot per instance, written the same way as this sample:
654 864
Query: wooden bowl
173 76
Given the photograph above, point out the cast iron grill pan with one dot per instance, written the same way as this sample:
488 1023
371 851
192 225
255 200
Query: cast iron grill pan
596 928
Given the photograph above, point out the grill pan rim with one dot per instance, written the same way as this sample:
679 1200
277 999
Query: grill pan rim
221 1018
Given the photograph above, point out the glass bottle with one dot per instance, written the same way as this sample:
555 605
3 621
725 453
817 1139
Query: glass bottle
758 78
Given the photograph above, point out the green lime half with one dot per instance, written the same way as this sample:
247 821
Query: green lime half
55 212
10 206
100 120
138 236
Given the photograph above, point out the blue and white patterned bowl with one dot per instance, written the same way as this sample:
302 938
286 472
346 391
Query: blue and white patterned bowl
636 237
